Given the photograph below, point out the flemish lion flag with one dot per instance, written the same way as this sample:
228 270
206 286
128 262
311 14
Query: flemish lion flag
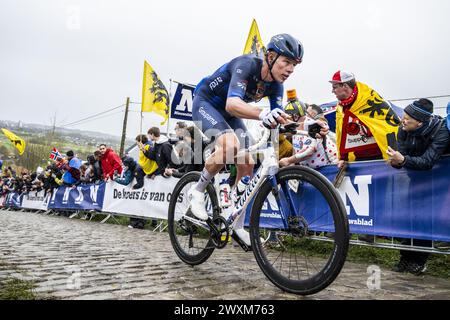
373 111
18 142
155 97
254 44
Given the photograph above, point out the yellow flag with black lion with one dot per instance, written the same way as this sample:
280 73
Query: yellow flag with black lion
375 113
155 97
17 141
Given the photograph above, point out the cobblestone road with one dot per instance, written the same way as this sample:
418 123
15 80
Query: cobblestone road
76 259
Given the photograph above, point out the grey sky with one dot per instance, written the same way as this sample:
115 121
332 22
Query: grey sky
77 58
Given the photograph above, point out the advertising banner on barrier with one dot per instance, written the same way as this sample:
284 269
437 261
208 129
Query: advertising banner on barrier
403 203
151 201
35 200
82 197
380 200
13 200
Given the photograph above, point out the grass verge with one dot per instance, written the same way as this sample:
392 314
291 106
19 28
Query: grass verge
16 289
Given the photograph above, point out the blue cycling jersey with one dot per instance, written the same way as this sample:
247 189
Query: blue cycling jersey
241 77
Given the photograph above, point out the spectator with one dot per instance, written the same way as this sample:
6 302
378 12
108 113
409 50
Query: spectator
110 162
313 150
161 152
180 130
49 179
37 181
190 151
364 121
129 168
89 174
97 166
13 173
72 168
146 165
20 182
422 139
85 174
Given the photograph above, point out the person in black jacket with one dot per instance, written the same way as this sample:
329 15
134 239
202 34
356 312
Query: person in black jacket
161 152
97 166
190 151
422 139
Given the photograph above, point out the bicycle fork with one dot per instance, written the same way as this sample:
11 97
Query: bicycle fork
285 207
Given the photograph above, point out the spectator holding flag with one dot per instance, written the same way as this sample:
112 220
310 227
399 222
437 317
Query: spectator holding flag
365 123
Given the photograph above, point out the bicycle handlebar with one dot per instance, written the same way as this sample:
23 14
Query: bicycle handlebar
288 128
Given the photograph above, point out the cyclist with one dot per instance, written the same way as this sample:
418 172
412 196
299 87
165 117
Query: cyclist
222 100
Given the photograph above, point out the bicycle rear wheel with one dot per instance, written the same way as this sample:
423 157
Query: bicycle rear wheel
191 243
310 209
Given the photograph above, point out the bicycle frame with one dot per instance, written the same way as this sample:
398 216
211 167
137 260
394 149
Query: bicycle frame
268 170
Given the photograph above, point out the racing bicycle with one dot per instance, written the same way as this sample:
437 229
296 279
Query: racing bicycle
290 210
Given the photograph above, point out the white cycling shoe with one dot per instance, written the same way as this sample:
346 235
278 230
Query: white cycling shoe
197 203
243 235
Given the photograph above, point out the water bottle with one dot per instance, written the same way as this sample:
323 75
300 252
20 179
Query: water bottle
224 192
242 184
240 189
237 195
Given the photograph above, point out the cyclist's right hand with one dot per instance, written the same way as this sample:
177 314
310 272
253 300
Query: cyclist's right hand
272 118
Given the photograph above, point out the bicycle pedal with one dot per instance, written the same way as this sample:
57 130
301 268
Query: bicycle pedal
223 238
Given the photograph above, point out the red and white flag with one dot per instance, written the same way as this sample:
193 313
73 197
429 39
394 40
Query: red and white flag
55 155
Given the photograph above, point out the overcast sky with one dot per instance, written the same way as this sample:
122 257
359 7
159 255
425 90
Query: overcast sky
78 58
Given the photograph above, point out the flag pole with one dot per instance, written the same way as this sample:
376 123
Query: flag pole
168 106
140 126
143 95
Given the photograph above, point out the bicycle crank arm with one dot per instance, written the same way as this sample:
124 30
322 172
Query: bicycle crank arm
241 243
197 222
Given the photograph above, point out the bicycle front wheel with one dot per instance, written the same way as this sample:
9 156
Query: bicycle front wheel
297 208
191 243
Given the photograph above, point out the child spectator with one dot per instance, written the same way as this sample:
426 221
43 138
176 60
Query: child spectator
129 168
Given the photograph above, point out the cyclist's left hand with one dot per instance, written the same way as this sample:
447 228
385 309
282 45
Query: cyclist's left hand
272 118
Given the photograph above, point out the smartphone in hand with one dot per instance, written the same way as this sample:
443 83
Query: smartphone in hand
392 141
